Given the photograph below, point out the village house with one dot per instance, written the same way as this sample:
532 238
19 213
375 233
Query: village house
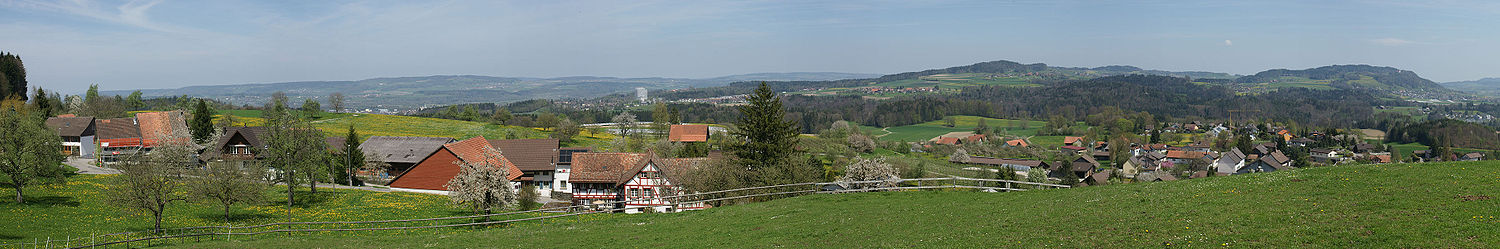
1073 141
117 136
401 153
537 159
561 186
237 143
1230 162
1179 157
1472 156
77 135
957 138
631 181
1017 143
433 173
1082 166
1014 164
1267 163
688 133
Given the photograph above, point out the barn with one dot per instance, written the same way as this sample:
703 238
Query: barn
434 171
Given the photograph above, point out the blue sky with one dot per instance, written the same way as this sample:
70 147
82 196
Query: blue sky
168 43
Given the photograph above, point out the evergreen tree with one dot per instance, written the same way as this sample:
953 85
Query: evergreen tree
41 104
766 137
134 101
12 77
352 155
202 124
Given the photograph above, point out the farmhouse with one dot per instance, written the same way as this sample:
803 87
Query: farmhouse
1230 162
957 138
401 152
1014 164
1073 141
1083 166
638 179
1268 163
1017 143
688 133
163 127
564 169
117 136
434 172
77 134
238 143
1187 157
536 158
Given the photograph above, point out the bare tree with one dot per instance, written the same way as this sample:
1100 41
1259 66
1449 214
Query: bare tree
336 101
148 183
866 169
296 150
229 183
482 185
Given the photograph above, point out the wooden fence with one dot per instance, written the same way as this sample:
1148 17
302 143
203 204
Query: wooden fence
227 232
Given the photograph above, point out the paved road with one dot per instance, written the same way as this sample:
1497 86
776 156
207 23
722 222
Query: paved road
85 167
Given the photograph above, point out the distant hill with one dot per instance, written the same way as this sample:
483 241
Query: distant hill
1485 86
1344 77
416 92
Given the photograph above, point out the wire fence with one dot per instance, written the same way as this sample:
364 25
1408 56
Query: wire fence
652 204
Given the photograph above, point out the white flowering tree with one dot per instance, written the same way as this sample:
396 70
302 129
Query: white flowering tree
959 155
481 186
865 169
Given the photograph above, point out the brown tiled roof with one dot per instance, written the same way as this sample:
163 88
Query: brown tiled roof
1070 140
595 167
688 133
116 128
478 150
529 154
335 143
1178 154
402 149
255 136
678 169
71 126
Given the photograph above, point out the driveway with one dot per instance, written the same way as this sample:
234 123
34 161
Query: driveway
85 166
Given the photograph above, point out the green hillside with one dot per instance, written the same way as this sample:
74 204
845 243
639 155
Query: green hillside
1403 205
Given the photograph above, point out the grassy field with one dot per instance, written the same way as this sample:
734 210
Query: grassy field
1448 205
78 208
392 125
928 130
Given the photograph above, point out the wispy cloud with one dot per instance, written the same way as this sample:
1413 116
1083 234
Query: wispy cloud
135 13
1392 41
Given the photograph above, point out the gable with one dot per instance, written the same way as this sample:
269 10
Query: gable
431 173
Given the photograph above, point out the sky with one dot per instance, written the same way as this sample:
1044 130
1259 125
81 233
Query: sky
68 45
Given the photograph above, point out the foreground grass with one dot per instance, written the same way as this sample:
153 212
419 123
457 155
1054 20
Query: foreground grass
1402 205
79 208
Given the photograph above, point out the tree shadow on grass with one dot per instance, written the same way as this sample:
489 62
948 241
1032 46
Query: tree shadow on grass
8 236
234 216
47 201
305 199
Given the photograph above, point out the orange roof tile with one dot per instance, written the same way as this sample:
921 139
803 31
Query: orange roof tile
478 149
688 133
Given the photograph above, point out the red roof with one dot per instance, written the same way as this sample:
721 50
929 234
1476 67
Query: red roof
1073 147
478 150
1017 143
948 140
170 125
1071 140
688 133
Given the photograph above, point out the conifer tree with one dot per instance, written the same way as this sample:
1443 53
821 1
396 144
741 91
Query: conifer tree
766 137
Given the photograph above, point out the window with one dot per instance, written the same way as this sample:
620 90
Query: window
650 192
